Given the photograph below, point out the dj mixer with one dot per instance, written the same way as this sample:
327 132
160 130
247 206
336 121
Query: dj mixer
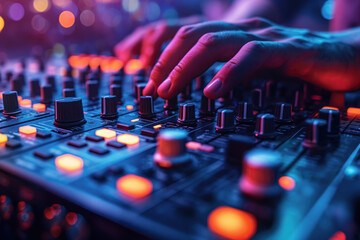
85 156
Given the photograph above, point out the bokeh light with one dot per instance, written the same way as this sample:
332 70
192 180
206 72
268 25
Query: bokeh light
41 5
2 23
16 11
39 24
61 3
130 5
66 19
153 11
87 18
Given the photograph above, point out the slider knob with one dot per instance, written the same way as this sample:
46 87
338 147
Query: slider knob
245 112
333 120
187 114
17 85
283 112
69 112
171 150
316 131
261 170
11 103
265 126
139 91
225 121
92 89
146 107
171 104
46 93
207 107
116 90
69 92
108 107
34 87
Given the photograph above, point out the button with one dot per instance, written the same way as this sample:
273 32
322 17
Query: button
69 163
40 107
27 130
77 143
128 139
134 186
149 132
3 138
105 133
94 138
43 134
225 121
13 144
69 112
109 107
124 126
99 150
116 144
43 154
25 103
11 103
193 145
232 223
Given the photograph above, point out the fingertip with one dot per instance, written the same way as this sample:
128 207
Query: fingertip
213 89
149 89
163 89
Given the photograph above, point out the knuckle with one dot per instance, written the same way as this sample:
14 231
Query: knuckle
184 32
254 47
208 39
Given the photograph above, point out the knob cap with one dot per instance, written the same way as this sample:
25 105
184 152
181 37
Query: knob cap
116 90
245 112
16 84
139 91
237 145
69 92
283 112
146 107
109 107
265 126
333 120
260 176
257 98
34 87
136 80
186 92
69 112
187 114
207 108
84 76
68 83
171 150
46 92
171 104
52 82
316 131
11 103
92 89
225 120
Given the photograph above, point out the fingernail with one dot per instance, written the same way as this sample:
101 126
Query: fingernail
214 86
149 90
165 86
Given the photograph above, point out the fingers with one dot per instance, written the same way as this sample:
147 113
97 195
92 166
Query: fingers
210 48
253 58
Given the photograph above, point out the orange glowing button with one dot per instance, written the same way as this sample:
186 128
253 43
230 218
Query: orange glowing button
3 138
19 98
129 107
133 66
66 19
287 183
134 186
329 107
69 163
157 126
353 111
25 103
105 133
128 139
71 218
338 236
134 120
28 130
206 148
193 145
40 107
232 223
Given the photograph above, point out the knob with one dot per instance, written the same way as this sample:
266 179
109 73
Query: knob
245 112
333 120
316 131
139 91
84 76
146 107
92 89
116 90
207 107
257 98
283 112
171 104
200 82
68 92
52 82
187 114
9 76
68 83
136 81
34 87
186 93
261 170
109 107
265 126
225 120
16 84
237 145
69 112
11 103
46 92
117 78
171 150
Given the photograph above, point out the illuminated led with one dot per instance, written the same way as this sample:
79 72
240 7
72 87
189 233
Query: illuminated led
69 163
105 133
206 148
338 236
353 111
40 5
71 218
134 120
3 138
134 186
193 145
133 66
94 62
329 107
287 183
2 23
157 126
129 107
66 19
128 139
19 98
28 130
40 107
232 223
25 103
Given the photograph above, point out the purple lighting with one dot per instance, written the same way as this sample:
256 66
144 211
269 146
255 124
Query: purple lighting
16 12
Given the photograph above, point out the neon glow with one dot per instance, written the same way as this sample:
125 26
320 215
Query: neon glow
69 163
134 186
66 19
105 133
128 139
287 183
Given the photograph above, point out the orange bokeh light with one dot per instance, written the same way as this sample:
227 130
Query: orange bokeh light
94 62
2 23
105 133
128 139
134 186
193 145
3 138
157 126
353 111
66 19
134 120
69 163
232 223
40 107
27 130
329 107
338 236
133 66
129 107
287 183
25 103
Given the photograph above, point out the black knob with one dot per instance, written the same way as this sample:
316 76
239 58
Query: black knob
34 87
171 104
257 98
139 91
245 112
136 81
9 76
225 120
92 89
109 107
52 82
21 78
46 92
116 79
186 92
69 71
237 145
69 112
11 103
16 84
68 83
116 90
207 108
146 107
84 76
316 131
283 112
333 120
200 82
187 114
265 126
69 92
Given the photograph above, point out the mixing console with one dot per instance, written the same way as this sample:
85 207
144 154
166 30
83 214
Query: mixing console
85 156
